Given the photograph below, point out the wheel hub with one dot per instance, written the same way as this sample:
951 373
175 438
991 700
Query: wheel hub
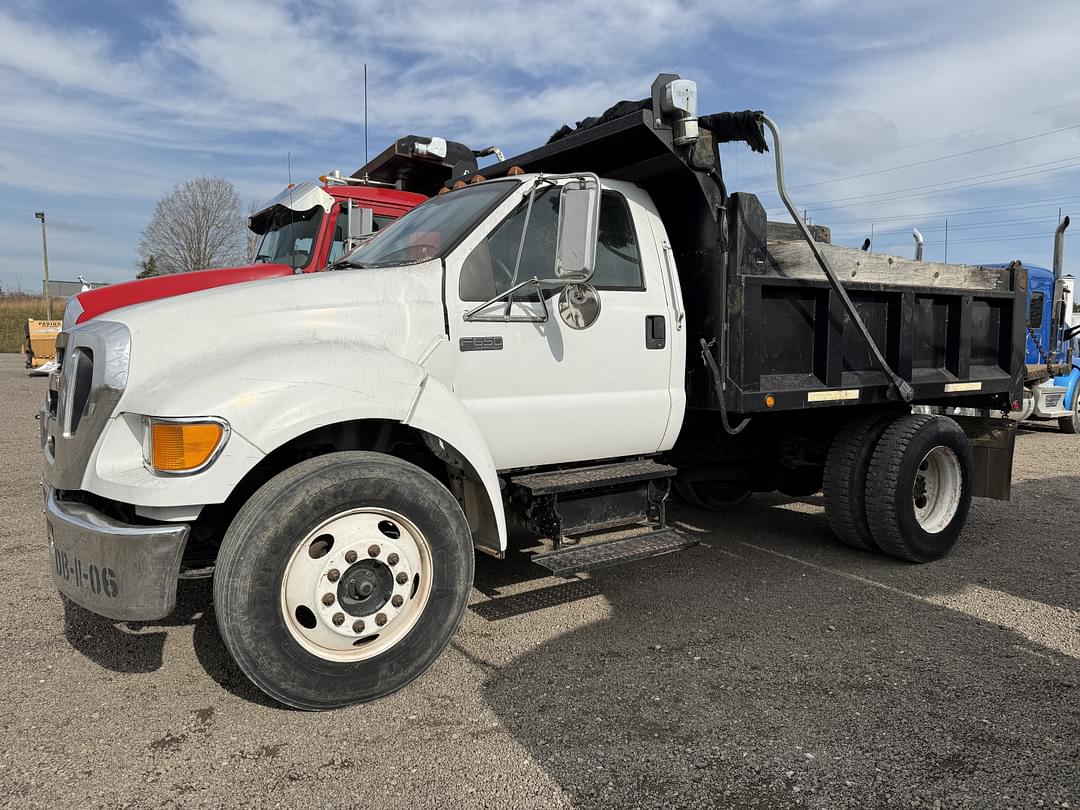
936 490
365 587
356 584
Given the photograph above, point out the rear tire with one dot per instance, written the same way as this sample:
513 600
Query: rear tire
918 490
713 496
846 468
342 579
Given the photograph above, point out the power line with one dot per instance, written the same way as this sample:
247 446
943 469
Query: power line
945 186
1020 205
960 132
965 227
938 159
978 241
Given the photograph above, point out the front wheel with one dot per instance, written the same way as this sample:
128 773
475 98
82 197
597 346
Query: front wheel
342 579
1071 423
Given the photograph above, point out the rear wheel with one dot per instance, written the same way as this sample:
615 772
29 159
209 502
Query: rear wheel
918 489
844 484
342 579
713 496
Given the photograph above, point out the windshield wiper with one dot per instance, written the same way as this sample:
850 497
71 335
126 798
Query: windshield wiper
346 262
263 257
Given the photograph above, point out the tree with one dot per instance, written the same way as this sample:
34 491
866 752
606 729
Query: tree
252 239
196 226
148 267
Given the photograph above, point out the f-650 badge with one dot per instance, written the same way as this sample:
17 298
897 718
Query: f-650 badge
481 344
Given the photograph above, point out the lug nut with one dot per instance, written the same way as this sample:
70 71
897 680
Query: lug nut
328 599
374 550
397 600
358 626
339 619
380 619
333 575
392 559
402 578
350 556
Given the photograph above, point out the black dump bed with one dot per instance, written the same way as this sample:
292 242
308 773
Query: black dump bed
954 332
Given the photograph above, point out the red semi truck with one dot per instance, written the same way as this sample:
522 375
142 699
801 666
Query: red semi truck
308 226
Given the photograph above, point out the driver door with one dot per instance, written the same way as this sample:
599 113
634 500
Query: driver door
542 391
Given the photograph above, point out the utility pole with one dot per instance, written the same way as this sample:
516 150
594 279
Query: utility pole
45 254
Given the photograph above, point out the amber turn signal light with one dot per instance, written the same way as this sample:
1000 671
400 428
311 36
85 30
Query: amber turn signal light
182 446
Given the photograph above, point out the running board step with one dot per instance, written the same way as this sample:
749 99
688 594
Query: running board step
591 556
555 482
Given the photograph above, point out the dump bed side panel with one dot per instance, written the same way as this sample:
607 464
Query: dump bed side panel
954 331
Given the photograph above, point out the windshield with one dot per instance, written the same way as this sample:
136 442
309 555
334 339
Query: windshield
290 236
433 227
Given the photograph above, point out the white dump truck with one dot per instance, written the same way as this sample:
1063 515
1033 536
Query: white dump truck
549 348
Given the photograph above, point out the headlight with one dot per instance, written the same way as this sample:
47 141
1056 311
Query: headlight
182 446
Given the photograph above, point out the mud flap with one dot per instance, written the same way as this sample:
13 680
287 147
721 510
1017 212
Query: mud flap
992 442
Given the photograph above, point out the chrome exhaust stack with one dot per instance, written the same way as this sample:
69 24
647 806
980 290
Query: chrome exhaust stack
1057 317
918 244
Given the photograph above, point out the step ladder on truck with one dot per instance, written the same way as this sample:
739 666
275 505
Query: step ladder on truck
548 343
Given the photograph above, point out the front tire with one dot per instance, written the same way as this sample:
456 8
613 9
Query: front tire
1071 423
342 579
918 489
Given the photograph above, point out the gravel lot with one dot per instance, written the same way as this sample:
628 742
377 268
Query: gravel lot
767 667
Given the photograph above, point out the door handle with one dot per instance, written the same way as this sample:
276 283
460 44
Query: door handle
655 332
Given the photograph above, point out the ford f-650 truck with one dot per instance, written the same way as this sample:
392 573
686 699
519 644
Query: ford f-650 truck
544 349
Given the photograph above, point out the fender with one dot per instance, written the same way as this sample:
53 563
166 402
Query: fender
270 399
438 412
1069 383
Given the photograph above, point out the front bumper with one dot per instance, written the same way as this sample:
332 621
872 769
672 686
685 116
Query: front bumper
118 570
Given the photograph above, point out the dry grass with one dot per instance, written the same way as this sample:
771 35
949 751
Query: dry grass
14 310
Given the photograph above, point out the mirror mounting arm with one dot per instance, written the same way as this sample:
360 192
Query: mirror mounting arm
473 315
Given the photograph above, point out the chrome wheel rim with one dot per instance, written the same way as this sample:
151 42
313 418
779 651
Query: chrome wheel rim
356 584
937 488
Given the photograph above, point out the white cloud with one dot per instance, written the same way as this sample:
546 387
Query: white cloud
229 88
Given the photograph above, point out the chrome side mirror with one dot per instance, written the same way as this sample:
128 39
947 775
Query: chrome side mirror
579 305
579 223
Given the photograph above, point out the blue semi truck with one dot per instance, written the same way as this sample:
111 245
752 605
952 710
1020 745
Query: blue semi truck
1052 380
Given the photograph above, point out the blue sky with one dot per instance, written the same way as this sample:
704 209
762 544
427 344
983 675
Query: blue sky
894 117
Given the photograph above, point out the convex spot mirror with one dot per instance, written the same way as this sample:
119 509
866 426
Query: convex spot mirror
579 305
579 222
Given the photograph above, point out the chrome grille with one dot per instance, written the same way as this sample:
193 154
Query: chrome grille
83 393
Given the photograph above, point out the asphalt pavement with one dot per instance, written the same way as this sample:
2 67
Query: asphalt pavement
766 667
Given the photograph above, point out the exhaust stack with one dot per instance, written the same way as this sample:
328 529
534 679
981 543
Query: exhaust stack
1059 248
1057 317
918 244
